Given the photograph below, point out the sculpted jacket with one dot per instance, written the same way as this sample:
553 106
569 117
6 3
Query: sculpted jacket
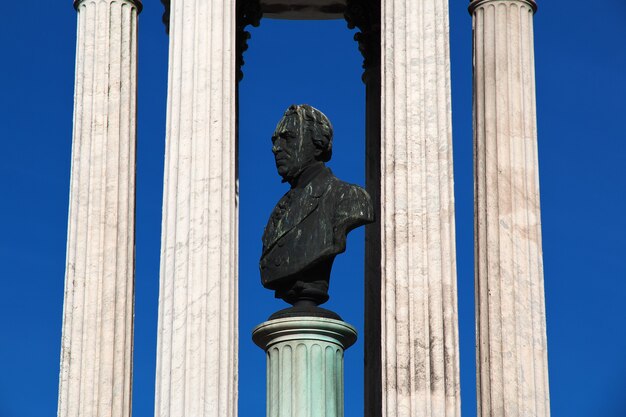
309 226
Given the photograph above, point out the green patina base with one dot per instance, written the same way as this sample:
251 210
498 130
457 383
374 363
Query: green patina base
304 365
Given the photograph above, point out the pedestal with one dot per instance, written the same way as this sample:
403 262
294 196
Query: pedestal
304 365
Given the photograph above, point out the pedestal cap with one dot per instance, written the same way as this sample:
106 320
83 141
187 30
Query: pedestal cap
476 3
302 328
137 3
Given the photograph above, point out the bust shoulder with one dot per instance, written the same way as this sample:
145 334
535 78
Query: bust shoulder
347 207
352 201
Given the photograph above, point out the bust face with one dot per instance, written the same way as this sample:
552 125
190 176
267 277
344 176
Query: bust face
293 149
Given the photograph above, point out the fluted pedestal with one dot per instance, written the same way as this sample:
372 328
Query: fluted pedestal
512 369
419 358
196 373
304 365
96 347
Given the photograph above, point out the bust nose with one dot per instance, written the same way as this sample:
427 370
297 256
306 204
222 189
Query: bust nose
275 149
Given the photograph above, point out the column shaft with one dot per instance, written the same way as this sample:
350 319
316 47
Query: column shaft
512 373
197 330
372 343
420 361
97 340
304 365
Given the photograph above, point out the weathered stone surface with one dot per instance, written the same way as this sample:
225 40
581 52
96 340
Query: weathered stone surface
96 347
512 371
196 373
419 358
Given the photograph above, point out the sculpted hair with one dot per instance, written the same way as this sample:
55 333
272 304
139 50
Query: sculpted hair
317 125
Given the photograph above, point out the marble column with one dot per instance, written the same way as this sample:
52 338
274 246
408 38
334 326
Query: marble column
512 371
197 327
97 339
419 330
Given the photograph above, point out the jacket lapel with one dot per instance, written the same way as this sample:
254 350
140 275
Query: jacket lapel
293 208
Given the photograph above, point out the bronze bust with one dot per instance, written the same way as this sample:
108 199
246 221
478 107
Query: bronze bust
308 226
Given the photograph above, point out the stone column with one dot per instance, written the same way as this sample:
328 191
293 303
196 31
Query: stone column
419 331
304 365
97 340
512 371
365 15
197 329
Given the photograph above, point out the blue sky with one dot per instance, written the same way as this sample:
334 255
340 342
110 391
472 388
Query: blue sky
581 101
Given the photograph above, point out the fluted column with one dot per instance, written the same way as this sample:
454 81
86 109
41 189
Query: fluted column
512 372
420 360
197 329
304 365
97 340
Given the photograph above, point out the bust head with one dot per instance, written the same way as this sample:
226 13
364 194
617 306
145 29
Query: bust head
302 137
